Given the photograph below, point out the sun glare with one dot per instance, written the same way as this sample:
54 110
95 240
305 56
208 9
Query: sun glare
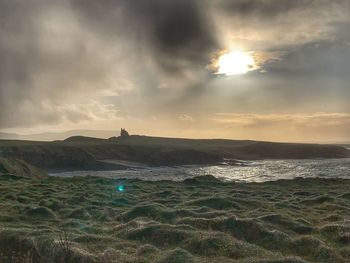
235 63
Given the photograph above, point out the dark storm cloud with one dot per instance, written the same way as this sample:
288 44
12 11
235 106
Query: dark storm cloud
55 51
262 8
178 32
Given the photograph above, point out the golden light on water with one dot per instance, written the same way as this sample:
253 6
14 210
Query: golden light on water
234 63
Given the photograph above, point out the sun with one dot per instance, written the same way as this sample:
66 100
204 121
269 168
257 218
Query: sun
235 63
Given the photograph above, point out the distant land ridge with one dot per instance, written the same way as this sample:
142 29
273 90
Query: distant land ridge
89 153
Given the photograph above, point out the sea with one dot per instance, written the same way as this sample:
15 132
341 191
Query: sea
245 171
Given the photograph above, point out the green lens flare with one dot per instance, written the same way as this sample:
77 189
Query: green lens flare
121 188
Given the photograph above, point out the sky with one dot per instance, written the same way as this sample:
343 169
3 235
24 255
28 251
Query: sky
153 67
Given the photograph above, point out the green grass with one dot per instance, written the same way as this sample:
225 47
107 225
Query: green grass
198 220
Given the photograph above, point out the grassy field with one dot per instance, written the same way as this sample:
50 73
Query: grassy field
198 220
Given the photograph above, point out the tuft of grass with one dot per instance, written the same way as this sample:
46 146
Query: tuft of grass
41 213
177 255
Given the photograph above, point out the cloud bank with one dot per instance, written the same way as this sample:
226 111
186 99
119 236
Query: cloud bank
72 63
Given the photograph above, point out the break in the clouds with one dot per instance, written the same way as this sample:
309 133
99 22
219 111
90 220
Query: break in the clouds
306 127
141 64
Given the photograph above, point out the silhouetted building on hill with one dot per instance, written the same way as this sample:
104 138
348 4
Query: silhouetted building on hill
124 133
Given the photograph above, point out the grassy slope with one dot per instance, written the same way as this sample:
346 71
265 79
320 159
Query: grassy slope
53 156
201 220
82 152
20 167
